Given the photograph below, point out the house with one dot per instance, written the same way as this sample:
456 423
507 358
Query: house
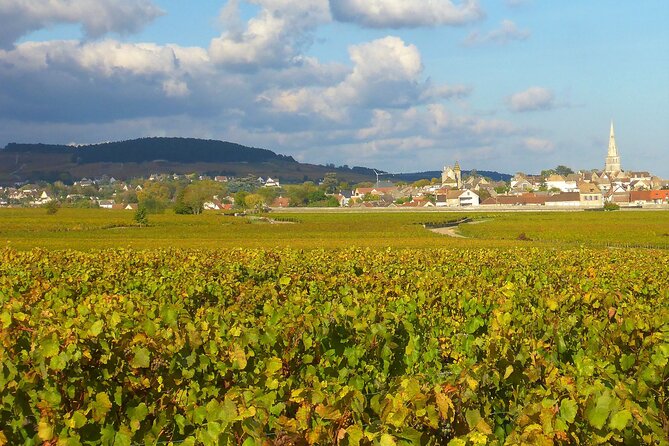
620 198
603 183
457 198
344 198
212 205
641 184
660 196
521 185
131 207
360 192
106 204
43 199
591 195
221 179
564 199
528 199
272 182
281 202
640 197
561 183
84 182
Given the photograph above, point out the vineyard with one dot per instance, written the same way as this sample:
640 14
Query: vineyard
95 229
345 346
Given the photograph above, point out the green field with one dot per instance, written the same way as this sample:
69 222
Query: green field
334 328
98 229
379 347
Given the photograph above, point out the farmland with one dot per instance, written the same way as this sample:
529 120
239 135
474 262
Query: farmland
349 329
98 229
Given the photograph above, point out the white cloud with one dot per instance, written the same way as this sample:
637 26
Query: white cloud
532 99
253 85
406 14
507 32
386 74
274 38
538 145
97 17
95 81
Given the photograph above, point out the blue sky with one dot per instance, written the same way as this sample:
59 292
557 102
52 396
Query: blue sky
507 85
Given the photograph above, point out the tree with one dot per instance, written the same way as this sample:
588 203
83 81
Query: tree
563 170
304 194
191 199
421 183
141 217
240 199
330 183
255 202
152 205
363 184
483 194
52 207
268 194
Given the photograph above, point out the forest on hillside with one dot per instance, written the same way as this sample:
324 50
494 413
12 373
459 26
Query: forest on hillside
182 150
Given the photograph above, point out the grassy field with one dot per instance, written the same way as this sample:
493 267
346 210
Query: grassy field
86 229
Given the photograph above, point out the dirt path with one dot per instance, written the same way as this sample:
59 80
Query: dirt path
453 230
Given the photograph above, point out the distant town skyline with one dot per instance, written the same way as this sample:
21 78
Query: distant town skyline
404 86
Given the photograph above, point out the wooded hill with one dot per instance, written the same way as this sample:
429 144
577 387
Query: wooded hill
142 157
182 150
145 156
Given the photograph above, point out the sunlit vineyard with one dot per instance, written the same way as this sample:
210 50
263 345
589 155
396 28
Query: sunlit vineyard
349 347
92 229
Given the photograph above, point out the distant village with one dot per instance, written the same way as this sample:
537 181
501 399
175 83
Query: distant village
554 188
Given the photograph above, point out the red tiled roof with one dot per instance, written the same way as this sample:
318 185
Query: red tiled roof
280 202
563 197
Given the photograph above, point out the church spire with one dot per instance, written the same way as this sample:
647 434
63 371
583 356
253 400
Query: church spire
613 159
613 150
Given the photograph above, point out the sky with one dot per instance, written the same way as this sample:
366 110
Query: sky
399 85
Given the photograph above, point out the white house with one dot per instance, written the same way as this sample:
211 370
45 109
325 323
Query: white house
560 183
272 182
461 198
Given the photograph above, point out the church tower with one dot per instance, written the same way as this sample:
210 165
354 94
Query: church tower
458 175
612 159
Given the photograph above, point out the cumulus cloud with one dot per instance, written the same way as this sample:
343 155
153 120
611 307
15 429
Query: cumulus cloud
532 99
406 14
538 145
274 38
386 74
506 33
253 84
97 17
69 80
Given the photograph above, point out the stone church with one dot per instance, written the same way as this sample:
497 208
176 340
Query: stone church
452 176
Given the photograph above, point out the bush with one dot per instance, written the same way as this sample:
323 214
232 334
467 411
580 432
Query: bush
141 217
608 206
52 207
